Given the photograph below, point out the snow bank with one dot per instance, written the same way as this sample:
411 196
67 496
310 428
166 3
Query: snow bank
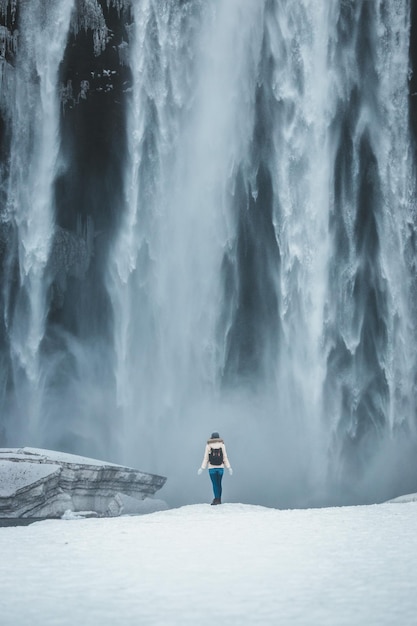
232 564
410 497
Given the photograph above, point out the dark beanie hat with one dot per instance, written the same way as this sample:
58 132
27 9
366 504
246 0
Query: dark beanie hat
215 436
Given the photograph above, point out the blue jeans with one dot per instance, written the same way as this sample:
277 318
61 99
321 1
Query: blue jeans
216 475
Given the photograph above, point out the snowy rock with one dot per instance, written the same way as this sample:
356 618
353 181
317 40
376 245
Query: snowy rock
46 483
133 506
410 497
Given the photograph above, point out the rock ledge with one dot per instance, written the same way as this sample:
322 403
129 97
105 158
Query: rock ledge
46 483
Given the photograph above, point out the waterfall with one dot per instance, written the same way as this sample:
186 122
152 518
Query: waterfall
370 391
29 207
208 223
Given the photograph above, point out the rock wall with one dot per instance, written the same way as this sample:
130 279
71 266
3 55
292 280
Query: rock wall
45 483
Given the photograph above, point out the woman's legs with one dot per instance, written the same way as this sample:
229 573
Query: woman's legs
216 475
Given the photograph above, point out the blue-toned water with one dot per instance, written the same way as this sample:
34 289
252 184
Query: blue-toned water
208 223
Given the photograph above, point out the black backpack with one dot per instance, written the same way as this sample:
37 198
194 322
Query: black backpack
216 456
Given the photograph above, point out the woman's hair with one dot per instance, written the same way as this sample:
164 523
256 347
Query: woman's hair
215 436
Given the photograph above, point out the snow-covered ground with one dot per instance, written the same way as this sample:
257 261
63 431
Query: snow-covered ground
231 564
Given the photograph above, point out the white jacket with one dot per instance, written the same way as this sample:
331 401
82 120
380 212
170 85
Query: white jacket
215 443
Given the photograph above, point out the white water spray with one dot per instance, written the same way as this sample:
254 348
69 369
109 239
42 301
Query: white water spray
194 121
33 167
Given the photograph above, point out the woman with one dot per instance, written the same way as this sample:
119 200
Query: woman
215 457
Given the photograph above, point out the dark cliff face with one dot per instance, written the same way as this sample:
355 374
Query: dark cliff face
93 121
89 193
413 71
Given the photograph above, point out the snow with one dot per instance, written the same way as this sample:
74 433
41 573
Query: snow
230 564
15 476
52 455
412 497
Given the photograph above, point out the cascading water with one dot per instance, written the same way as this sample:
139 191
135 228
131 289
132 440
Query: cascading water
29 206
370 390
216 232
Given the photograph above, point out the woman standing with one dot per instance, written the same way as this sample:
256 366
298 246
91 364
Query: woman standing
215 457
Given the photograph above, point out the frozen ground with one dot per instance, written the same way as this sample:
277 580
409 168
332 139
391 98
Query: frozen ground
201 565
